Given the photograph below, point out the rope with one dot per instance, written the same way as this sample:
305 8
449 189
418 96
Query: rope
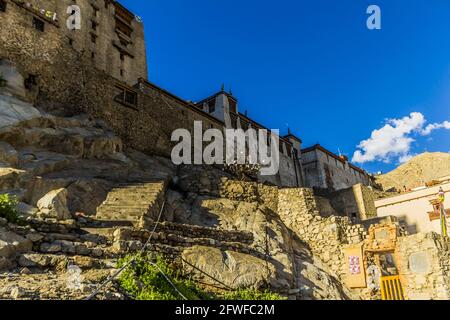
209 276
168 280
126 265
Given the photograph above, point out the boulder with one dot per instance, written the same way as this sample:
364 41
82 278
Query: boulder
54 205
14 111
11 178
236 270
11 243
8 154
270 234
26 210
15 81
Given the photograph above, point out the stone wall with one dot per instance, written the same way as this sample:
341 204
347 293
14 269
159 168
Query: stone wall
326 237
356 202
298 209
104 53
82 77
424 262
325 170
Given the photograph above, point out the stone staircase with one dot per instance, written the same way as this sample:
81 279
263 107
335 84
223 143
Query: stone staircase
132 204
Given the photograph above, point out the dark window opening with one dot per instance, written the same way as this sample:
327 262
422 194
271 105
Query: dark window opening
122 57
233 106
71 42
289 151
92 55
212 106
388 265
38 24
121 72
30 82
130 97
124 28
93 38
2 6
94 25
126 96
95 11
124 43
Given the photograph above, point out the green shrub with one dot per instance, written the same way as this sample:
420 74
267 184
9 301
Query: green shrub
144 281
8 208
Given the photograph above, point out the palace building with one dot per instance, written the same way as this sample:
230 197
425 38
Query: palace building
101 69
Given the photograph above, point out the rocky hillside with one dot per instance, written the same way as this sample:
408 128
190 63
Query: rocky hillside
417 172
86 200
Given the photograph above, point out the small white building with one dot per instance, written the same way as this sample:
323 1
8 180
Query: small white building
414 209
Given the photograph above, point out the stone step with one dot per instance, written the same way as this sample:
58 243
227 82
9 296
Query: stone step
133 206
106 232
135 197
140 188
133 191
132 201
110 216
121 215
178 243
49 261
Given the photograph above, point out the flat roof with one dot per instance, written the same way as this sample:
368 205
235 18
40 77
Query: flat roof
413 195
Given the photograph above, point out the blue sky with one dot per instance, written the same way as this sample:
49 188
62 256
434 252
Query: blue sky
313 65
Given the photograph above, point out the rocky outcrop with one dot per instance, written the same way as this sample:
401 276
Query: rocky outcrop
54 205
88 200
233 269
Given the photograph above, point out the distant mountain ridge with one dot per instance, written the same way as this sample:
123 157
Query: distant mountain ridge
417 172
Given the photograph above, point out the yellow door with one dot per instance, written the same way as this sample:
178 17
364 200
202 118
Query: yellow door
391 288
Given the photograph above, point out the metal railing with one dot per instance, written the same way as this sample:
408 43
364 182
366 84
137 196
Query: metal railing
391 288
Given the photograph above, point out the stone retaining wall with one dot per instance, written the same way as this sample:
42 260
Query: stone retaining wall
424 261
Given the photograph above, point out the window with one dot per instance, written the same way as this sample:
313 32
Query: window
233 106
289 151
2 6
93 25
212 106
95 10
123 42
71 42
92 54
123 28
130 97
122 57
121 72
30 82
93 38
126 96
38 24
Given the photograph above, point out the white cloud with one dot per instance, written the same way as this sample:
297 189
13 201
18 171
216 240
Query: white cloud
434 126
391 141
